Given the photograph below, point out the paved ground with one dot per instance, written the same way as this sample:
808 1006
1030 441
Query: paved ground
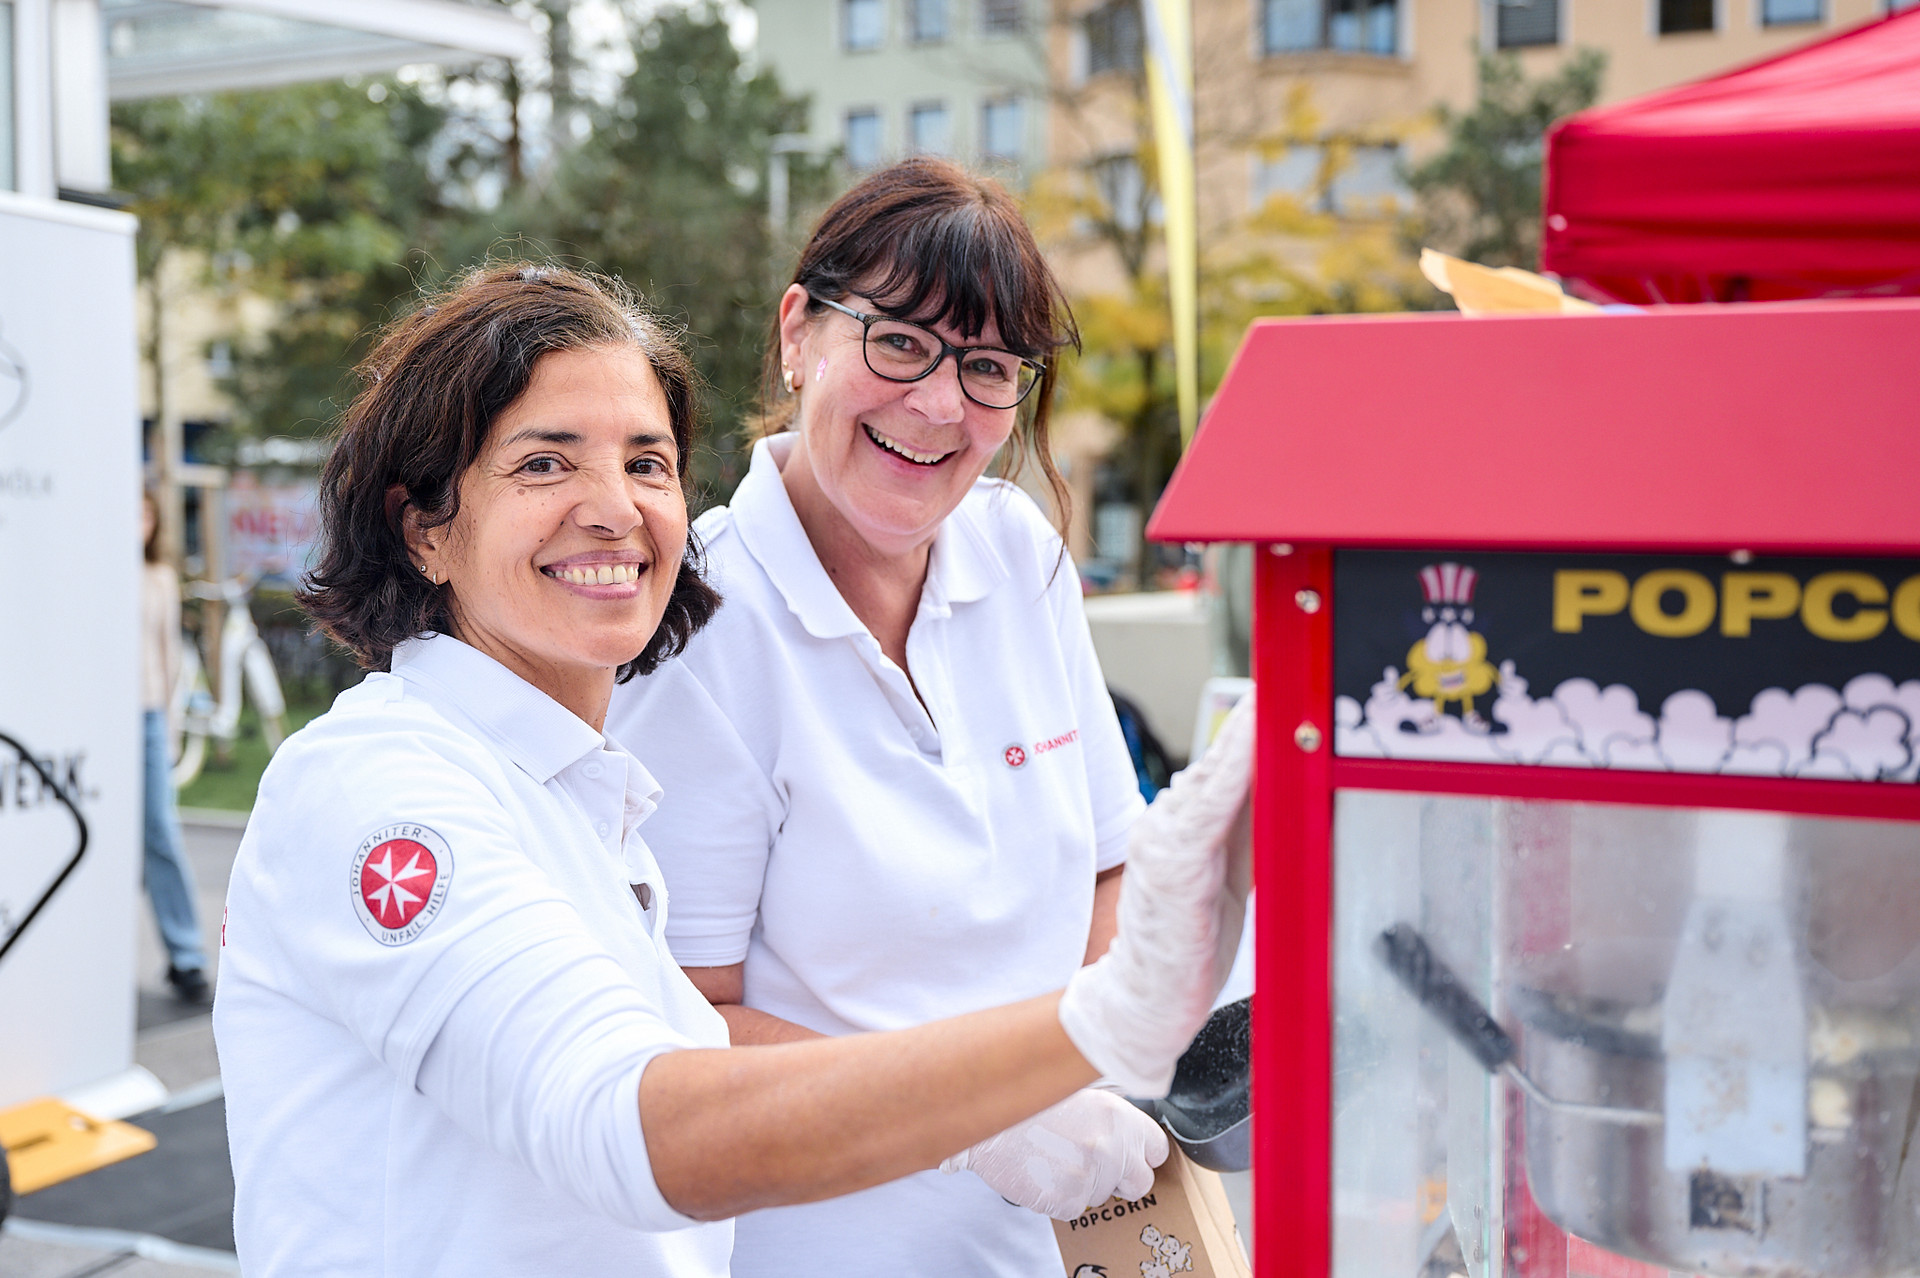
168 1213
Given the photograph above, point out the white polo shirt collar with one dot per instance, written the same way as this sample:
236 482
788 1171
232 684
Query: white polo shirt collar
542 737
965 565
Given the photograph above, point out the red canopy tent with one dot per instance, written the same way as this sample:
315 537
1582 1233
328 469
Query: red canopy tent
1795 177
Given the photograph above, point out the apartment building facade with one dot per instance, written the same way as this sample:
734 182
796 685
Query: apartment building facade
891 78
1370 72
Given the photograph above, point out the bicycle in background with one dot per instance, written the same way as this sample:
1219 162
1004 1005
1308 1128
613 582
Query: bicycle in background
246 670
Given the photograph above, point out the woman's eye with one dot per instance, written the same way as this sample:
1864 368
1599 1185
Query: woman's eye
540 465
985 368
649 466
902 343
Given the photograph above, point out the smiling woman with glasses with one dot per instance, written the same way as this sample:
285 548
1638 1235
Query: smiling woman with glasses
927 796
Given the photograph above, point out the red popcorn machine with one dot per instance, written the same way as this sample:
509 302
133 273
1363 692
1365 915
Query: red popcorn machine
1588 832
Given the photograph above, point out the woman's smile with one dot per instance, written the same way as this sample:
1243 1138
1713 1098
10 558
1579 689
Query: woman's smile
598 576
888 444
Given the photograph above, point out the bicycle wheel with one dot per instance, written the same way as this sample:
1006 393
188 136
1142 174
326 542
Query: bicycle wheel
192 705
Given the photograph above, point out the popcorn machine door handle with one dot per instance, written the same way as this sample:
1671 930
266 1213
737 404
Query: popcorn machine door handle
1435 987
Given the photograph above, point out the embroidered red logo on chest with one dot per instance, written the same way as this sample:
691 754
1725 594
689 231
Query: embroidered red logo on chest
1016 755
400 877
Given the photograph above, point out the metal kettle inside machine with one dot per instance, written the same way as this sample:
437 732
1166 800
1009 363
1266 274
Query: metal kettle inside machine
1752 1113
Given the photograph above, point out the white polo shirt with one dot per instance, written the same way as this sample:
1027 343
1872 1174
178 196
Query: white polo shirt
878 864
439 988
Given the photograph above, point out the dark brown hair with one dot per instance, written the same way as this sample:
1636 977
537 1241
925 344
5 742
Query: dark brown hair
930 242
431 390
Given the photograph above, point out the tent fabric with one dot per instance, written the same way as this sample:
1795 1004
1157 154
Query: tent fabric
1795 177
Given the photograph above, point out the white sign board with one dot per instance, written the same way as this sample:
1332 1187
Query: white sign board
271 528
69 661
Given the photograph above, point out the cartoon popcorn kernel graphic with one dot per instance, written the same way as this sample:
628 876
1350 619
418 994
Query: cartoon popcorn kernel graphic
1170 1255
1450 663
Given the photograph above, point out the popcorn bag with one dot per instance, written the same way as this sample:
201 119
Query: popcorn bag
1183 1225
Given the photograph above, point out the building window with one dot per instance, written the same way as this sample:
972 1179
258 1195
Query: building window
1367 184
1685 15
1350 26
927 20
863 138
863 23
1002 17
1117 179
928 130
1003 132
1113 37
1527 22
1780 13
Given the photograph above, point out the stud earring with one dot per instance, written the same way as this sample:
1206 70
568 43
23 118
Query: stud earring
790 379
428 574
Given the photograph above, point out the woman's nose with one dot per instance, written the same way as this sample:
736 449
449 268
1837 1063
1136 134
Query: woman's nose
605 501
938 396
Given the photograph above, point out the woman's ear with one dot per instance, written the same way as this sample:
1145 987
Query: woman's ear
793 326
422 547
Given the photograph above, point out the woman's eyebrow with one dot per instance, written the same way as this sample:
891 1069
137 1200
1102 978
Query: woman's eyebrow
548 435
544 436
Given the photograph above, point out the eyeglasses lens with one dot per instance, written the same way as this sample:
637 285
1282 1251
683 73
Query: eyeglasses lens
994 379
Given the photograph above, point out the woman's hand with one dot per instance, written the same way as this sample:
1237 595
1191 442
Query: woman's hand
1076 1155
1182 902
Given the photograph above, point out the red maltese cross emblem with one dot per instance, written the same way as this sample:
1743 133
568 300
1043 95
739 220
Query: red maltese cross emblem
1015 756
400 878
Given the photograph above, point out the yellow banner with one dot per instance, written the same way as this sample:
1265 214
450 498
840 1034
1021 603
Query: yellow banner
1169 26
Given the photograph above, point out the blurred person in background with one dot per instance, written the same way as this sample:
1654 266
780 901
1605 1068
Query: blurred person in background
168 880
452 1035
910 794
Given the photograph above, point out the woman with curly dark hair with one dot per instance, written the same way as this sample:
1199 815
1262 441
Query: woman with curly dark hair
452 1037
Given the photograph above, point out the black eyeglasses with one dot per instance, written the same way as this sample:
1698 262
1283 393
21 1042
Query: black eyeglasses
903 352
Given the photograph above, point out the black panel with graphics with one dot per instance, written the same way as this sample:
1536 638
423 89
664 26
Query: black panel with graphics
1774 667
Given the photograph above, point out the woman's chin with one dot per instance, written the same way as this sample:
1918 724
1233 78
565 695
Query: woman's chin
908 522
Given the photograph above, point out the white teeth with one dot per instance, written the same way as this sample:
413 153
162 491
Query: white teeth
599 575
923 459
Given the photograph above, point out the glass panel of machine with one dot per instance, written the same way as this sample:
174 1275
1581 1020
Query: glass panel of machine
1589 1039
1757 667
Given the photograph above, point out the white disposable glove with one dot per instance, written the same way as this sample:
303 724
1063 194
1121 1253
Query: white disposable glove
1076 1155
1182 901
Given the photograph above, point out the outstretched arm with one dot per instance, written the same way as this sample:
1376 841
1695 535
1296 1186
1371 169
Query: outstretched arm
731 1131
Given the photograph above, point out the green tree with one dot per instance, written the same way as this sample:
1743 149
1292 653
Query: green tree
337 201
311 197
1295 256
668 191
1481 192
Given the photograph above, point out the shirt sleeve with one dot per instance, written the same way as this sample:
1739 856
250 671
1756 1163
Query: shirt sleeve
718 814
536 1034
1112 785
541 1058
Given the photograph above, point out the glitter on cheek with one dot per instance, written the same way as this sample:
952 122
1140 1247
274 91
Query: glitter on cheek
820 369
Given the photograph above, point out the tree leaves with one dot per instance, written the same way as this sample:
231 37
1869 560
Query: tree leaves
1482 191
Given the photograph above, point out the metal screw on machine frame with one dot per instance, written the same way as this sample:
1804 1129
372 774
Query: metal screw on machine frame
1307 737
1307 600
